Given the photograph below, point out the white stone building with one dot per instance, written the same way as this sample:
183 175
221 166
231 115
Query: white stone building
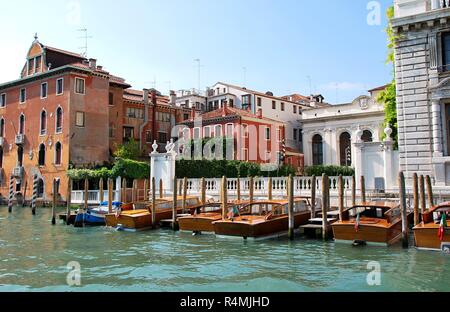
422 66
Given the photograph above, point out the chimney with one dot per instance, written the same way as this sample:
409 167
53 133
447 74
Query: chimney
146 92
193 113
173 98
99 67
224 108
153 95
259 113
93 63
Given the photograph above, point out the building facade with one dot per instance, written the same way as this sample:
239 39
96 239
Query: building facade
422 63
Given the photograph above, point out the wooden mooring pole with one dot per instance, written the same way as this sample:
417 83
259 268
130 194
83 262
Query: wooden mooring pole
134 191
430 192
290 189
325 202
110 195
402 189
161 188
341 197
35 194
363 189
238 189
224 198
69 200
11 194
416 199
203 190
25 193
101 188
86 194
153 209
146 190
124 190
251 189
353 191
270 189
174 204
54 202
423 199
313 196
185 184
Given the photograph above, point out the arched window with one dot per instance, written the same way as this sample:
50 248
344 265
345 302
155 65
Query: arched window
345 149
317 148
43 122
59 120
19 156
2 128
1 157
22 124
40 188
367 136
58 149
42 155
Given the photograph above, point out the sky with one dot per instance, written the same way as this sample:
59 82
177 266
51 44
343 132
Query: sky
333 47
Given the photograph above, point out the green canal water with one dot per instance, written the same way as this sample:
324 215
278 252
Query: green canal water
34 257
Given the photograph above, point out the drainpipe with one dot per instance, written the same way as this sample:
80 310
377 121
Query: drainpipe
142 127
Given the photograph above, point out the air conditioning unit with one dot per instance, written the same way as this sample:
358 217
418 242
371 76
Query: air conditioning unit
20 139
18 172
2 141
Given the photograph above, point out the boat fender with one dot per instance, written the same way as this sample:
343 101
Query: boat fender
119 227
359 243
196 233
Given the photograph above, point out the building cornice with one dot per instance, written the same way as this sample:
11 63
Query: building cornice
420 21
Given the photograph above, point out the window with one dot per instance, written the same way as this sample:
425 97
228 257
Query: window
186 117
446 51
128 133
136 113
210 106
21 124
79 86
3 100
23 95
148 137
30 66
207 132
216 104
345 149
2 128
38 64
112 130
196 133
295 109
60 86
295 134
274 105
218 131
19 156
282 106
111 98
44 90
41 160
43 127
40 184
1 157
317 149
267 134
259 101
230 130
224 90
246 102
222 103
186 103
367 136
162 117
79 119
59 120
162 137
231 103
245 130
58 156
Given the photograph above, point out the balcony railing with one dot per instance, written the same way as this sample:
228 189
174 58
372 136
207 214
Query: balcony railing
20 139
439 4
18 172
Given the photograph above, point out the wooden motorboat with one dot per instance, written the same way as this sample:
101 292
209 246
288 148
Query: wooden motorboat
140 217
375 223
433 232
201 221
263 219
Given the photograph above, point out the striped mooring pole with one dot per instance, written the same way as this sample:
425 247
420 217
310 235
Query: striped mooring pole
34 197
11 194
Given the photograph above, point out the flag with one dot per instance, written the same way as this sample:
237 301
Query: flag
357 223
442 227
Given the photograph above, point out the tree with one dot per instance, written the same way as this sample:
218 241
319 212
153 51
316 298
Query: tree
129 150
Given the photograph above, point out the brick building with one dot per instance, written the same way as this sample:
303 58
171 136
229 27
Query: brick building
65 110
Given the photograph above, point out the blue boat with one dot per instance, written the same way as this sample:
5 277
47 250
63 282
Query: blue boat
95 216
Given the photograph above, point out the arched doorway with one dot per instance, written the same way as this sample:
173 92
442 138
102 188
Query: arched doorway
41 160
20 156
345 149
317 149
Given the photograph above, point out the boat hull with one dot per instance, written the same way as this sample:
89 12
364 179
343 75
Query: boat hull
89 219
377 235
259 230
199 223
426 237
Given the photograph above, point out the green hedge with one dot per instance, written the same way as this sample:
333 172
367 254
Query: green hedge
331 171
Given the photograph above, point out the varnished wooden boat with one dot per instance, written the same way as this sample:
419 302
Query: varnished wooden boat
140 217
201 221
426 233
263 219
379 224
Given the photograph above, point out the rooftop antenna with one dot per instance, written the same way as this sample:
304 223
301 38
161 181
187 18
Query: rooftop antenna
36 37
244 69
85 37
199 68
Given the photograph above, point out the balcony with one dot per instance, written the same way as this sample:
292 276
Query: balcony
20 139
18 172
404 8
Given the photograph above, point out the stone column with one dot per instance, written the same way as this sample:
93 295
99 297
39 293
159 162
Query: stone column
358 156
436 128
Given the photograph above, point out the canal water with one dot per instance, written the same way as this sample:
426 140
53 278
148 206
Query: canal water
34 257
